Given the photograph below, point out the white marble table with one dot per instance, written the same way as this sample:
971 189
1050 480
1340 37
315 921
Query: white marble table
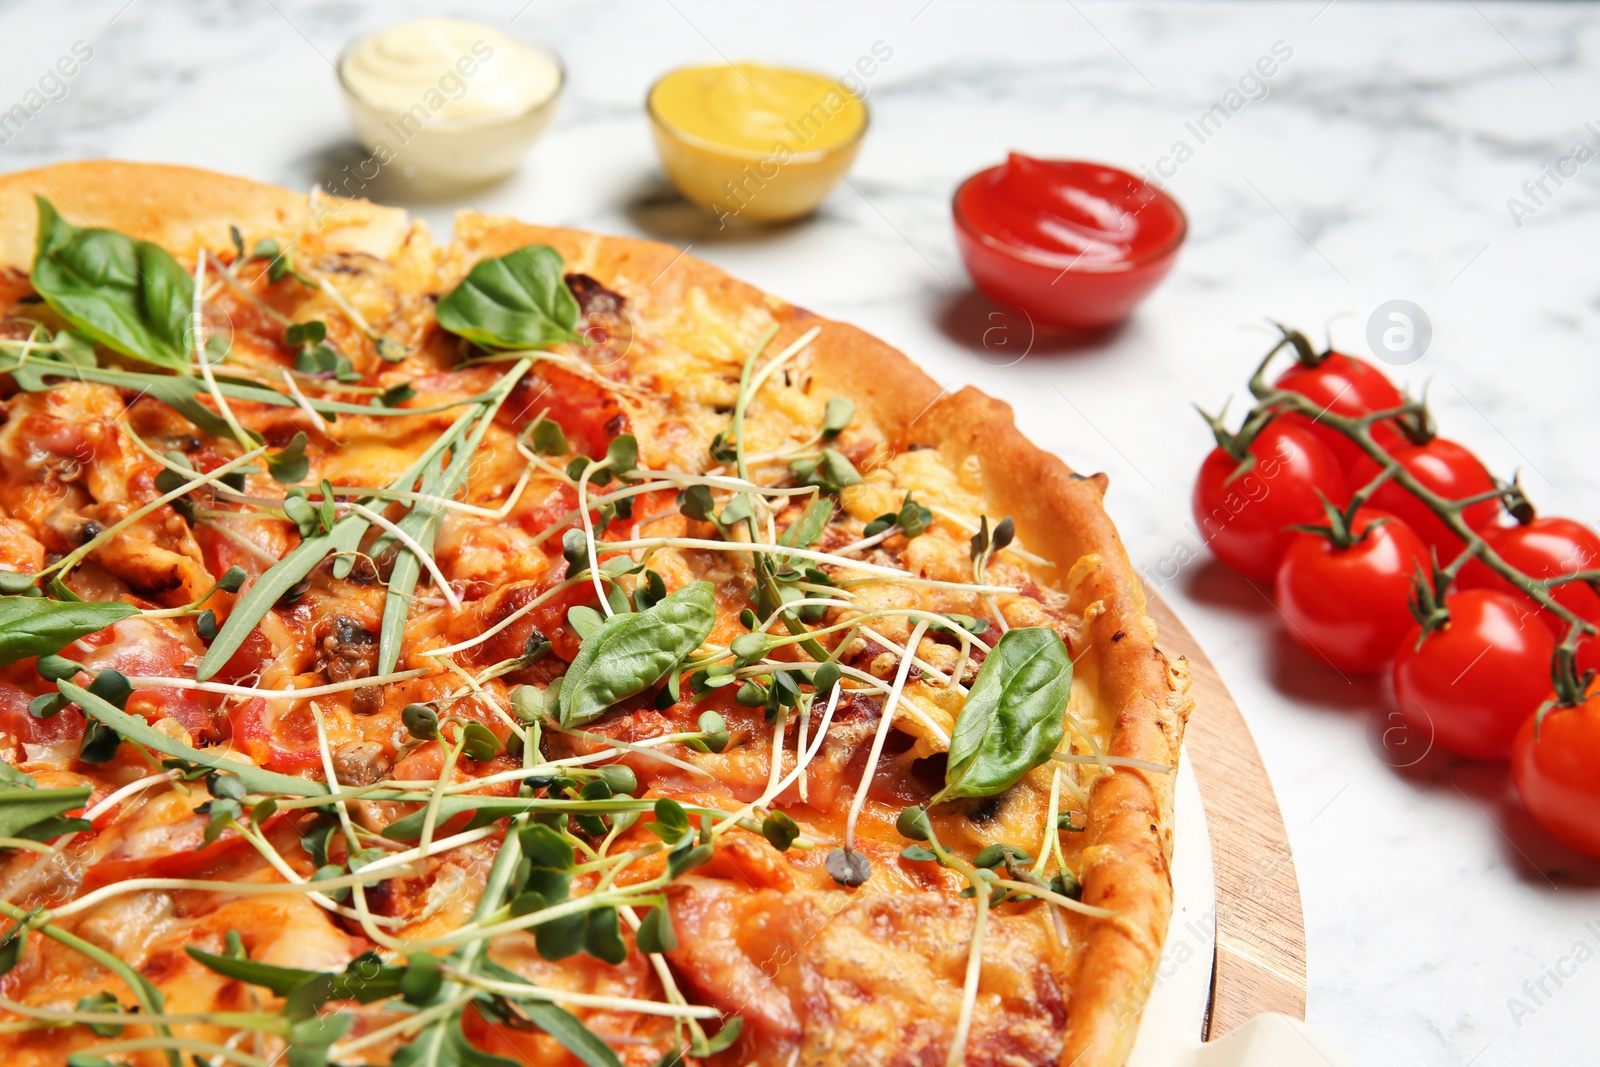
1377 166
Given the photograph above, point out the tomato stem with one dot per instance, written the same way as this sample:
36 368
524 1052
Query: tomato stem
1341 527
1304 354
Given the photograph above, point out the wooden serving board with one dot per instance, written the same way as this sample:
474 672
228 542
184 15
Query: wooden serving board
1260 961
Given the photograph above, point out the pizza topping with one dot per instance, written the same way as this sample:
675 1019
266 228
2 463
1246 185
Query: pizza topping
35 626
632 651
128 295
516 301
1011 721
670 674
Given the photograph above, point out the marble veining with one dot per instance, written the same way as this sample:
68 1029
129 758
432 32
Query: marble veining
1378 164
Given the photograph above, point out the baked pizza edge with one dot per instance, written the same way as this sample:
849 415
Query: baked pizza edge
1127 861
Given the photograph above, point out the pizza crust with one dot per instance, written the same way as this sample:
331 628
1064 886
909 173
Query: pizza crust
1059 513
184 209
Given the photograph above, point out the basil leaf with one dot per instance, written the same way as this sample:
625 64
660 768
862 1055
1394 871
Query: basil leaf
128 295
35 626
24 807
632 652
1014 715
516 301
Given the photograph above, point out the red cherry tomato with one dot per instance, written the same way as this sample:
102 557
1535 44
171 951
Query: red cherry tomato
1444 467
587 412
1350 606
1346 386
254 653
263 743
1546 548
1558 774
1471 684
1242 512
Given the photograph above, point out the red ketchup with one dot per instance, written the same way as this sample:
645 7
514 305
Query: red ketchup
1075 245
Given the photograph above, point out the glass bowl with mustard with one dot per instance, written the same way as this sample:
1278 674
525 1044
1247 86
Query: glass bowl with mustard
449 99
752 142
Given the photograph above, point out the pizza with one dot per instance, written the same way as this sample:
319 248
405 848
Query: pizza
539 648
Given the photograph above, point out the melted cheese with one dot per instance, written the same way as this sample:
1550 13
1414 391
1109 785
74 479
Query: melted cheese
67 460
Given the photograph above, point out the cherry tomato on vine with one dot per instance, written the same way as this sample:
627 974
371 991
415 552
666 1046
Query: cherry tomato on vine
1474 681
1557 771
1343 385
1444 467
1546 548
1242 511
1350 605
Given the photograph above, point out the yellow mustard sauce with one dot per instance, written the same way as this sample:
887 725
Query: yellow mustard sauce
753 141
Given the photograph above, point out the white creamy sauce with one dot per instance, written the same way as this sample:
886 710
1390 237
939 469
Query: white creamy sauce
459 71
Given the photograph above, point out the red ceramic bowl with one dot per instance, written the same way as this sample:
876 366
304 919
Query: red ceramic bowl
1064 291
